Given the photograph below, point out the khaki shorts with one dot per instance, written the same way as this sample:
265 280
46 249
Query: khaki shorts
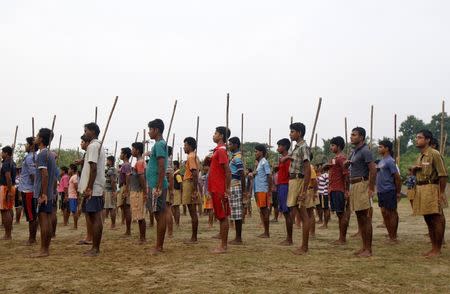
120 198
295 186
176 198
411 193
427 201
313 197
137 205
359 196
188 192
110 200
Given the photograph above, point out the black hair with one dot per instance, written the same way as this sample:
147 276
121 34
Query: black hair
30 141
176 163
126 151
360 131
93 127
262 148
169 151
157 124
111 158
286 143
46 135
299 127
8 150
64 169
85 138
427 134
235 141
250 170
338 141
226 133
191 142
435 142
387 144
73 167
138 146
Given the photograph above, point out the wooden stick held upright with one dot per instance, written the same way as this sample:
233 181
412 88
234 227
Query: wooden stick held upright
59 149
33 136
173 141
136 139
315 121
442 126
196 135
371 127
107 124
227 120
115 152
395 140
315 144
51 138
171 121
15 139
96 114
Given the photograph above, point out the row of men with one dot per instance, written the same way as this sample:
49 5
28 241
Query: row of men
352 185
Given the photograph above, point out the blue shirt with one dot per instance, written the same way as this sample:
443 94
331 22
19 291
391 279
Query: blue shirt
262 171
28 169
236 165
159 150
385 176
45 160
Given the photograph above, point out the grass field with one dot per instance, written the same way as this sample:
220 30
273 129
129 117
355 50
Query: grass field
260 266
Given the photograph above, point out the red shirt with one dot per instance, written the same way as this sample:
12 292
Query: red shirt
216 176
283 172
337 174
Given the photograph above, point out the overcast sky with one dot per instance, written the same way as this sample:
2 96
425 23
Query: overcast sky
275 58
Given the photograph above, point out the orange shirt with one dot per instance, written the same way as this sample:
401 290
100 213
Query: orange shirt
191 164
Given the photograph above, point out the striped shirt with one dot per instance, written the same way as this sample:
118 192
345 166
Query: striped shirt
323 183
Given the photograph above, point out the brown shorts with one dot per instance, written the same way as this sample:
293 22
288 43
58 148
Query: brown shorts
188 193
359 196
7 205
295 186
411 193
427 200
176 198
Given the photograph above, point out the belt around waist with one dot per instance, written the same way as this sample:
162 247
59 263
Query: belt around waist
428 182
296 176
358 180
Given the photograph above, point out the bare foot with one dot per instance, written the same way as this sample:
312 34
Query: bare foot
127 234
339 242
39 255
286 243
356 235
300 251
155 251
381 226
236 242
5 238
319 222
264 236
433 253
141 242
190 242
92 253
84 242
30 243
216 236
358 252
219 250
365 253
391 241
324 227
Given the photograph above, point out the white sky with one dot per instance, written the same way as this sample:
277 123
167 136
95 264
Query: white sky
275 58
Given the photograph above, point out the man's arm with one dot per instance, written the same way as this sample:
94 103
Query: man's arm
66 192
372 177
307 179
398 184
442 185
92 176
227 170
270 182
195 179
44 186
8 184
161 173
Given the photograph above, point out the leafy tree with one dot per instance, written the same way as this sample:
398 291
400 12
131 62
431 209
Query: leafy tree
410 127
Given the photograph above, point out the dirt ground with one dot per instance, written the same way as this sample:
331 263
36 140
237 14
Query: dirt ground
260 266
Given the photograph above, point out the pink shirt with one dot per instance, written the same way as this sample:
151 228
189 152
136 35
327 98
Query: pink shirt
63 183
73 187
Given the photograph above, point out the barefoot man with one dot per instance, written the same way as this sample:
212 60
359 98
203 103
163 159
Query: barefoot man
431 182
363 172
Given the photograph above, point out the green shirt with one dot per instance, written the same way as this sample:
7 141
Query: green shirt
159 150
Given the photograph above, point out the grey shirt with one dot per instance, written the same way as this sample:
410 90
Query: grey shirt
360 159
45 160
96 155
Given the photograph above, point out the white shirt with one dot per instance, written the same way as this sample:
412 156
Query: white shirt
93 155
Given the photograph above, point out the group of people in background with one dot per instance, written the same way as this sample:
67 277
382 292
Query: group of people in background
220 186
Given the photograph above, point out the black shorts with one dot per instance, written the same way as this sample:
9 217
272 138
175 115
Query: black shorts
159 203
388 200
92 205
324 202
338 201
46 208
275 199
62 204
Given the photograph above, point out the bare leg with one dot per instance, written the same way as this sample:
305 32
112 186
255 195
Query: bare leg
194 217
54 220
7 220
46 225
265 217
142 231
289 227
224 228
365 225
160 232
113 218
97 231
127 212
18 214
169 220
302 211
